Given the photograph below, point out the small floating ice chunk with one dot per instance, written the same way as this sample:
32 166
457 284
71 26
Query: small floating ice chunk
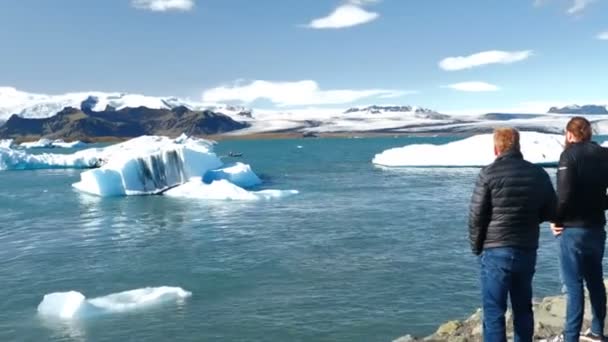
42 143
63 305
73 305
62 144
239 174
476 151
6 143
139 298
223 190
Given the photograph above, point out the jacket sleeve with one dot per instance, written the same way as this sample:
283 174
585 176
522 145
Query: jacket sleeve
479 214
550 201
565 177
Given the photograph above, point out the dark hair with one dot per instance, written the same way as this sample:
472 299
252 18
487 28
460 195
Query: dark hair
580 128
505 139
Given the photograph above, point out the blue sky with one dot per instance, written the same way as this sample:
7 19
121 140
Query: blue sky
517 54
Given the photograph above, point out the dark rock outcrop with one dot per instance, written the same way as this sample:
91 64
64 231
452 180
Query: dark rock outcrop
549 318
85 124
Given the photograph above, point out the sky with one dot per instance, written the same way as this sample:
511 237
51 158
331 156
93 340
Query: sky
447 55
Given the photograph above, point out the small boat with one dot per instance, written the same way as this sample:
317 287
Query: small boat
235 154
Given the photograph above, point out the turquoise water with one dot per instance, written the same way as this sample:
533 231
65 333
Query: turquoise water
361 254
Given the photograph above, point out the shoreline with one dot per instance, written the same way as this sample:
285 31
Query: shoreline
260 136
549 319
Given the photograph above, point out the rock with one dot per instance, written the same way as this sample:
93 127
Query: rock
448 328
549 317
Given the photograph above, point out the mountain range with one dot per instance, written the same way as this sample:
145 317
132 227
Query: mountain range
86 125
94 115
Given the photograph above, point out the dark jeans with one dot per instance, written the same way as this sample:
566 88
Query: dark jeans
507 271
581 254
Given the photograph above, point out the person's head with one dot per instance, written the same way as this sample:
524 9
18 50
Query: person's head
506 139
578 130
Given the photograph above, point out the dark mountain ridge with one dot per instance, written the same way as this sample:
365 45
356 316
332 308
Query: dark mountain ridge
86 124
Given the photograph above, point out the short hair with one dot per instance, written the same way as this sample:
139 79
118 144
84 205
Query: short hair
505 139
580 128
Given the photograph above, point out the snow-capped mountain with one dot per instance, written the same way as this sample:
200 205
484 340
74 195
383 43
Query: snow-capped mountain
31 105
576 109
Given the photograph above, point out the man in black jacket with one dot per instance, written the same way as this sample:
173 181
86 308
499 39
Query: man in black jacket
582 179
512 197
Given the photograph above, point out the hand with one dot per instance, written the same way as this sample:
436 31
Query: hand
557 231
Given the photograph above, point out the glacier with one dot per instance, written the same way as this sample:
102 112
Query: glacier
74 305
475 151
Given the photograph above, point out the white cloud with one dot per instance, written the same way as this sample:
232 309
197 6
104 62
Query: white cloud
579 5
483 58
602 35
163 5
350 14
473 86
576 6
299 93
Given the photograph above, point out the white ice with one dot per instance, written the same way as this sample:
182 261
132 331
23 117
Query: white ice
475 151
11 159
74 305
148 165
6 143
240 174
223 190
48 143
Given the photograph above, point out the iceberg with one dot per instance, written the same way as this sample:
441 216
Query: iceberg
476 151
11 159
74 144
73 305
239 174
148 165
48 143
42 143
6 143
223 190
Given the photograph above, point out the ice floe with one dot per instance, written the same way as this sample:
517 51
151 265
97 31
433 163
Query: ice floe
150 165
475 151
6 143
11 159
74 305
239 174
49 143
223 190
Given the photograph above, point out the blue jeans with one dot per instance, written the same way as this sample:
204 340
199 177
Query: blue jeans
581 254
507 271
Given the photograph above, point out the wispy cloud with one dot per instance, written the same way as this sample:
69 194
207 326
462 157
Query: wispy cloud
602 35
163 5
483 58
473 86
351 13
576 6
299 93
579 5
